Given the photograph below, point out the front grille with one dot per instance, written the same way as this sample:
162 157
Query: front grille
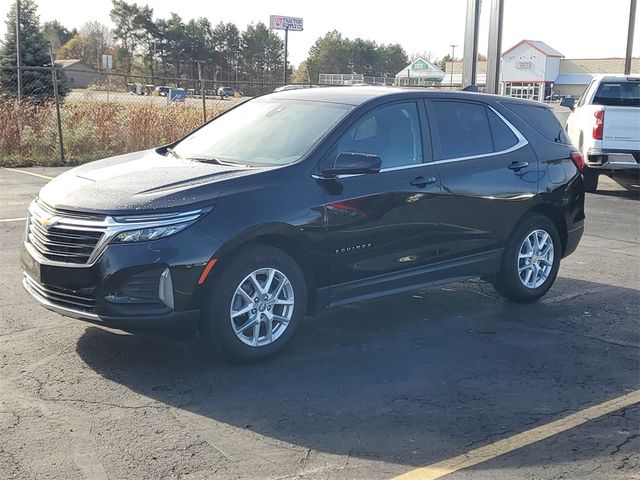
63 236
62 297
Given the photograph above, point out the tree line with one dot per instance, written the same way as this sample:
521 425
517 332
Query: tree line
141 44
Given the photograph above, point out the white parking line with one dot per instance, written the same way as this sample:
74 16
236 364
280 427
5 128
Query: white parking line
7 220
29 173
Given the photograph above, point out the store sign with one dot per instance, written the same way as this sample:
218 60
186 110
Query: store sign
279 22
420 65
522 65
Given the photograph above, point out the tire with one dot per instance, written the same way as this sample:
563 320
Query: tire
253 344
508 282
590 180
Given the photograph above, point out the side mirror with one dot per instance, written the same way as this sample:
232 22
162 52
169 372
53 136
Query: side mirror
568 102
353 164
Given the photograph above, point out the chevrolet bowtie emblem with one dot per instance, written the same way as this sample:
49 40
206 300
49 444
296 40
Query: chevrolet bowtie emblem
48 222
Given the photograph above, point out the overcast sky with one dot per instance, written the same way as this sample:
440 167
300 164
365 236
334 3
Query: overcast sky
576 28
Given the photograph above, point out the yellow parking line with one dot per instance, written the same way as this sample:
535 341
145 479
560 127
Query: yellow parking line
29 173
488 452
7 220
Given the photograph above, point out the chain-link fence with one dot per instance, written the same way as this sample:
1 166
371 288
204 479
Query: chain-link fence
104 114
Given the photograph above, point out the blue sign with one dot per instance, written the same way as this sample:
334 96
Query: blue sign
177 95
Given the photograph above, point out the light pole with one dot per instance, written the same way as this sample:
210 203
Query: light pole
453 56
632 21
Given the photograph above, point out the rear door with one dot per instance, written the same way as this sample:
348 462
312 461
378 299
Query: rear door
382 224
489 175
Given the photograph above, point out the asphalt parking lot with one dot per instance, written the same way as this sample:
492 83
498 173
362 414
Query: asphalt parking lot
369 391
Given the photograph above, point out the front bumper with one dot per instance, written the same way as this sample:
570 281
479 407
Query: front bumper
613 160
123 288
177 322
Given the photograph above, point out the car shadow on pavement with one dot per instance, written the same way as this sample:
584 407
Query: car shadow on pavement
410 379
627 186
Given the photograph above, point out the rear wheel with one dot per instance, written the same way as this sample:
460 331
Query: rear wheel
256 304
531 260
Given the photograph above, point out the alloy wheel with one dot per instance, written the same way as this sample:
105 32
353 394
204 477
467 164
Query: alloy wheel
262 307
535 259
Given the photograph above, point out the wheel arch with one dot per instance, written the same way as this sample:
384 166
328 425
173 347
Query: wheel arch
555 215
281 236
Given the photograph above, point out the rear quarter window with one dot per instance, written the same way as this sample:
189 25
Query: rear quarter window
542 119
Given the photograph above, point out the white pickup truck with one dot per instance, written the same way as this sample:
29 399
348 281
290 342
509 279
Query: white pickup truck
605 126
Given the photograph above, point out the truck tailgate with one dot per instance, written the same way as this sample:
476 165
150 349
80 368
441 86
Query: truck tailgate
621 128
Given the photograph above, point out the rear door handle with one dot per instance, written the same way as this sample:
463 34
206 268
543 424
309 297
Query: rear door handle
423 181
518 165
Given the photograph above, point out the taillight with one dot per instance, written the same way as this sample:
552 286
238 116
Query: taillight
597 130
578 160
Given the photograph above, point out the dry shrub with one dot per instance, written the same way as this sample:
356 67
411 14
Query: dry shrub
91 130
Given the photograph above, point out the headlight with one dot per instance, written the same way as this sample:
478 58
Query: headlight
151 233
141 228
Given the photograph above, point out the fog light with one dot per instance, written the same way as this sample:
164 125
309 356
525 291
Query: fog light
165 289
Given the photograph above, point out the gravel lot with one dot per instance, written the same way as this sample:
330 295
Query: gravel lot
368 391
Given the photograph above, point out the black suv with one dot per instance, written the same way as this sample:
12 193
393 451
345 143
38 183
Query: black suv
300 200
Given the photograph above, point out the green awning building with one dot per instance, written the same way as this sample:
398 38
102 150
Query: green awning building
420 72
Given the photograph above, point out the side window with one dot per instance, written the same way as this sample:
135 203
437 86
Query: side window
503 137
461 130
391 132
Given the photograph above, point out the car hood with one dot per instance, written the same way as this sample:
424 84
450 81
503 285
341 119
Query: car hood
140 181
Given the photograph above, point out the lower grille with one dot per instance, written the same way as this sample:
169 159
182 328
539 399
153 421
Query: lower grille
62 297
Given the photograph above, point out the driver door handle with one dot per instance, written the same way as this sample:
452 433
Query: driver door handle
423 181
517 165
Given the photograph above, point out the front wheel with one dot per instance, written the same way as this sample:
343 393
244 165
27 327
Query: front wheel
531 260
256 304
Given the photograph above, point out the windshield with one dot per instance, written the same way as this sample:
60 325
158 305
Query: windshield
264 132
618 94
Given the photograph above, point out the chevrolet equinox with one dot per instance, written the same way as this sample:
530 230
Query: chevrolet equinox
306 199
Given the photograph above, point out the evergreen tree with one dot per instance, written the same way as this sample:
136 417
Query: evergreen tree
36 84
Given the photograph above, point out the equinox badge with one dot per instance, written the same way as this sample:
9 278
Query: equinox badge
352 248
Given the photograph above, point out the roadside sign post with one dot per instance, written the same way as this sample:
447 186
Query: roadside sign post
279 22
286 42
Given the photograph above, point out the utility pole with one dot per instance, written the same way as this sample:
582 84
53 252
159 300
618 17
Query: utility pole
632 21
453 59
54 77
18 51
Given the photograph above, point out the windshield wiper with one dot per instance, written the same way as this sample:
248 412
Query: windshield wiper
173 152
215 160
